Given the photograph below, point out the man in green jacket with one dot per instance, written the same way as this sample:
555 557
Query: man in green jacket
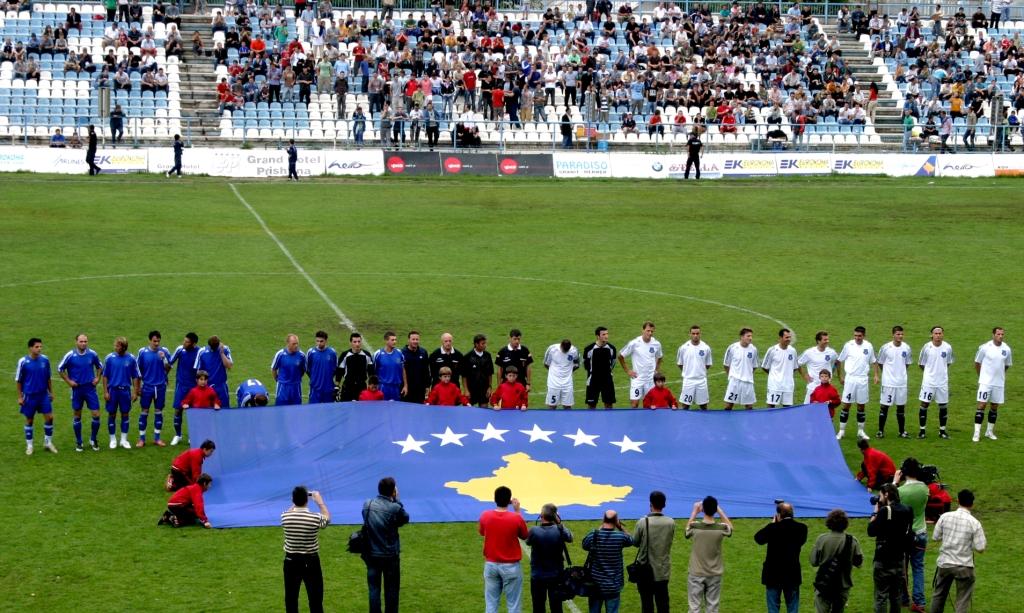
653 536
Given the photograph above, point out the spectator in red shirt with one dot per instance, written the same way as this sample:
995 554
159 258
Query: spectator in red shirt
188 467
446 393
877 466
826 392
511 394
186 505
660 397
202 396
371 392
502 530
498 99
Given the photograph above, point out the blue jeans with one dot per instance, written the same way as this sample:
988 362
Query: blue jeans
610 603
388 569
917 567
774 597
507 578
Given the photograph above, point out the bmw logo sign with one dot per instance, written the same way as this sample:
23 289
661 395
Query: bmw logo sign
656 167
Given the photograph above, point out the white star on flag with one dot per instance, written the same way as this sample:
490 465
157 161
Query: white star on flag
450 438
628 445
490 432
582 438
538 435
411 444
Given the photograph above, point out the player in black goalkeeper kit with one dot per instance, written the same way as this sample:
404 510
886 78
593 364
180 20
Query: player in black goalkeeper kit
599 362
354 366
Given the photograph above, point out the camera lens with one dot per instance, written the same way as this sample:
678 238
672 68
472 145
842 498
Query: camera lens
874 500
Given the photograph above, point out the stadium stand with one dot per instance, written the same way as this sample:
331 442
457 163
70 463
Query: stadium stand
748 76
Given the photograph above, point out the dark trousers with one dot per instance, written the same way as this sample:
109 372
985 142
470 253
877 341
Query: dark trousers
888 586
90 159
541 593
433 132
292 173
694 161
177 166
184 515
302 568
653 596
275 93
388 569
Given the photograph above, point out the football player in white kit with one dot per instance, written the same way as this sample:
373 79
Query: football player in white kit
855 362
646 353
816 359
694 359
934 360
739 362
780 362
991 362
893 359
561 360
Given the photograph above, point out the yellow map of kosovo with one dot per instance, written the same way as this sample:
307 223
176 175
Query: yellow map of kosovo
536 483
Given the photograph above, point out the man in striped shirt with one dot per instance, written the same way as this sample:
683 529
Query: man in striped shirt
605 546
302 550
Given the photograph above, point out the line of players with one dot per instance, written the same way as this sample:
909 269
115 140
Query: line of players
409 374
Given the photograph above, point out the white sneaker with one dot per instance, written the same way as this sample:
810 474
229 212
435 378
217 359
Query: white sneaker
113 443
28 449
840 435
861 434
991 436
49 447
976 437
175 440
125 443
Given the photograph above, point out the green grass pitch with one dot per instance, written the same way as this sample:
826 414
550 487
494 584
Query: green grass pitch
123 255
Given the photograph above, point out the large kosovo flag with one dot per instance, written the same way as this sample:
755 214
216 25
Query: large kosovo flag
449 460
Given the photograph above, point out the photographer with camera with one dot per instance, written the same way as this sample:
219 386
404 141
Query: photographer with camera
781 574
547 542
914 494
704 580
382 517
891 526
302 549
835 553
605 545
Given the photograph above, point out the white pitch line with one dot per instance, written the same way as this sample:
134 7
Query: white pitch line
342 318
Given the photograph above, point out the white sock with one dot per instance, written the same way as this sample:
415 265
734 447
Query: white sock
46 440
990 429
124 437
977 429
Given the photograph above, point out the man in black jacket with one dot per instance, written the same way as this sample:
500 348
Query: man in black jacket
891 525
382 517
780 574
90 152
478 372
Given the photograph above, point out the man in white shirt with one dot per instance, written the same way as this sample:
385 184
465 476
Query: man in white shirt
893 359
934 360
561 360
779 362
646 359
991 362
816 359
739 362
855 361
694 359
961 535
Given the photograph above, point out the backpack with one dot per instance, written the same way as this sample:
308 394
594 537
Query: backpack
829 579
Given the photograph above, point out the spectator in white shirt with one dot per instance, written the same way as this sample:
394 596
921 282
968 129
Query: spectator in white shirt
961 535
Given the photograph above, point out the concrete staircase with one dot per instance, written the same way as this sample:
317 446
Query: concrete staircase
198 85
888 113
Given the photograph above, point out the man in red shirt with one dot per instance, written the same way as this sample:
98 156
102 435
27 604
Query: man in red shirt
660 397
186 505
446 393
826 393
511 394
258 47
469 82
877 466
188 467
202 396
502 530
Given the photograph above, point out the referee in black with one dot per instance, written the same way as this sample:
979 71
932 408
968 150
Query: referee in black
302 550
599 362
693 146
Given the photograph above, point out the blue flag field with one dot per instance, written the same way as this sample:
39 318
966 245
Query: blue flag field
449 460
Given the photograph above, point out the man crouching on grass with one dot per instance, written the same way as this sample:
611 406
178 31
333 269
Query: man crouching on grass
185 507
